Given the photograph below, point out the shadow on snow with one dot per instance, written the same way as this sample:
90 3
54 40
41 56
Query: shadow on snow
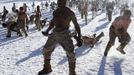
33 54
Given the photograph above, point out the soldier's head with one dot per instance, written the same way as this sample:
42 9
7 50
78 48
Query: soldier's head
4 7
127 13
38 8
61 3
13 4
21 8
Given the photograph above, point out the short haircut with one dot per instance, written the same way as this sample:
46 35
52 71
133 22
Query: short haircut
127 12
21 8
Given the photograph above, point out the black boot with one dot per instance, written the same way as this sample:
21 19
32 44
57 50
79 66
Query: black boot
121 47
107 49
72 68
46 68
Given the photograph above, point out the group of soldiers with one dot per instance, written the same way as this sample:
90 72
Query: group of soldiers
61 34
60 23
19 20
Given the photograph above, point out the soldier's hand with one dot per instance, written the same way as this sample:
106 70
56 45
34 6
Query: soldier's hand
79 43
78 40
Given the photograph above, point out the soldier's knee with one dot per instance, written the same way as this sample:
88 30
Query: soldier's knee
126 40
71 56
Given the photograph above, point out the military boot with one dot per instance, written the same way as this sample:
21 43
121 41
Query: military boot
120 48
46 68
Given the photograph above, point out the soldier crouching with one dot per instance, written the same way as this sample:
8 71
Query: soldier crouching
11 26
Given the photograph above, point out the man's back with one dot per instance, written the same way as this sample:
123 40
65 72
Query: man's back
121 22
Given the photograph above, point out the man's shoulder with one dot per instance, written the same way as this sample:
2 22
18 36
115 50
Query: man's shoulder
118 18
65 10
69 11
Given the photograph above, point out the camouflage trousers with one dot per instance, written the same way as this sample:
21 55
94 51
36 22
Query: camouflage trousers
64 39
123 39
38 24
21 27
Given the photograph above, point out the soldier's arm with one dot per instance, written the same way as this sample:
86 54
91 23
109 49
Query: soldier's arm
51 25
74 20
26 17
40 14
115 21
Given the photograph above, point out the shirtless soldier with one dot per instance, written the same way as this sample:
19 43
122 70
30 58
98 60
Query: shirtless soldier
22 21
37 18
62 16
119 29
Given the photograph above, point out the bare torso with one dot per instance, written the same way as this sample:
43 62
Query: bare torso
62 18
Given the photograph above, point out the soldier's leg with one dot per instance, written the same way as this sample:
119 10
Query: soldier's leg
18 31
8 32
19 28
47 51
92 14
109 45
124 40
109 15
40 25
82 14
86 18
67 44
112 36
24 31
37 24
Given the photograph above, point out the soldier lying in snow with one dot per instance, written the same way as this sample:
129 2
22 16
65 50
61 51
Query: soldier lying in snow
90 40
86 40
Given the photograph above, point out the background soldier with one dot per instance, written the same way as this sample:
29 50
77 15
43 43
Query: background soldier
5 12
62 17
33 5
37 18
46 4
109 9
14 7
22 20
25 7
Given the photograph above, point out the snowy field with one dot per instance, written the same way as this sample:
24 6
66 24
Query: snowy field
23 56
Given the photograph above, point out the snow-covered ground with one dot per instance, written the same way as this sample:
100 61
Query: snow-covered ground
23 56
